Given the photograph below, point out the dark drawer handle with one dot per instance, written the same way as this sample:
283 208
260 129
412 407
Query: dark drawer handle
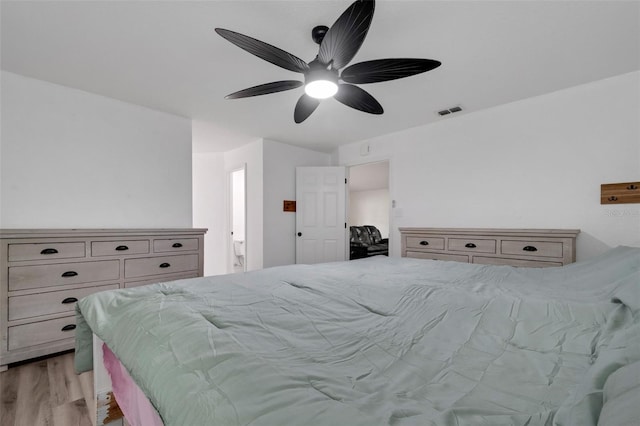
164 265
122 248
49 251
69 274
613 198
632 187
176 245
470 245
424 243
69 300
529 248
68 327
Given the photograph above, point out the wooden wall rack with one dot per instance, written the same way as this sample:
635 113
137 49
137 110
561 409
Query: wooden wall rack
620 193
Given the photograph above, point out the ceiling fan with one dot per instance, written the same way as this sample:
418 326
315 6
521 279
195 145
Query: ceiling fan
323 79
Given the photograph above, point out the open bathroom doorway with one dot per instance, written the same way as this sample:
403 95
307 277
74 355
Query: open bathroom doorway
237 220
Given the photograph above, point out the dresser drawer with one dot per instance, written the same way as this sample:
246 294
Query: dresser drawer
177 244
45 251
437 256
472 245
431 243
26 277
514 262
160 265
53 302
116 248
130 284
37 333
532 248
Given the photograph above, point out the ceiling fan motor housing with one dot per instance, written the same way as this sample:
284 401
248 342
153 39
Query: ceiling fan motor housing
319 71
317 33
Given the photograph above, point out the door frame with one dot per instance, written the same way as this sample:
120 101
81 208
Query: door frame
229 207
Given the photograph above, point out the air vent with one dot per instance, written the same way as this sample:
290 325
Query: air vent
450 110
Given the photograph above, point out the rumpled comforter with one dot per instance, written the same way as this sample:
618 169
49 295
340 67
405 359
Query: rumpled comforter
377 341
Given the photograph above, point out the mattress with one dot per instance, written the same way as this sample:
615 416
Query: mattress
377 341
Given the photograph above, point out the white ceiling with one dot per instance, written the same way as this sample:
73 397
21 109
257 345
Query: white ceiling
165 55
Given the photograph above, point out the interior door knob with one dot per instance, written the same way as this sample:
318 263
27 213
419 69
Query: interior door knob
299 234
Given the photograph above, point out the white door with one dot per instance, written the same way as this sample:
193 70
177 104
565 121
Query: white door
321 233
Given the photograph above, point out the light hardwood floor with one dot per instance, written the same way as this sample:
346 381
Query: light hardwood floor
45 392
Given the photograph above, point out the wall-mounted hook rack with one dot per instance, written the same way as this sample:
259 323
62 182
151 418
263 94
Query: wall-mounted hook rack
620 193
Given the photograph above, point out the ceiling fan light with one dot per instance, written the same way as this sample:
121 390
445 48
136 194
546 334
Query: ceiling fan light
321 81
321 89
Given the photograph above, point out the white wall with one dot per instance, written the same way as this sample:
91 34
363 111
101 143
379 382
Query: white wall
280 162
209 211
270 179
536 163
370 208
72 159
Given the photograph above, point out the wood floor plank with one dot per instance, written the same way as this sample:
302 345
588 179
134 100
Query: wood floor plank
73 413
8 396
63 381
33 407
46 392
86 383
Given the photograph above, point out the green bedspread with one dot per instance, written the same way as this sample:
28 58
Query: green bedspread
377 341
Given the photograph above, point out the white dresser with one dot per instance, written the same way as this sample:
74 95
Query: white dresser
43 272
516 247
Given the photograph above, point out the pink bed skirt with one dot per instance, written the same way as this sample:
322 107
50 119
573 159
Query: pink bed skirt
132 401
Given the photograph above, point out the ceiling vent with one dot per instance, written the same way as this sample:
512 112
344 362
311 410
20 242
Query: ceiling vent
449 111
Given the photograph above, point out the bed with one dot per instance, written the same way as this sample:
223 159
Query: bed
382 341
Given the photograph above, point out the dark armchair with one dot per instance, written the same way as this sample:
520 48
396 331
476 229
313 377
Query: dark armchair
367 241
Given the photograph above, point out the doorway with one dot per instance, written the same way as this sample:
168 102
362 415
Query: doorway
237 247
368 210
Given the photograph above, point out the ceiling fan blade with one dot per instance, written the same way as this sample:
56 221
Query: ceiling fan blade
386 69
305 106
344 38
265 89
355 97
265 51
